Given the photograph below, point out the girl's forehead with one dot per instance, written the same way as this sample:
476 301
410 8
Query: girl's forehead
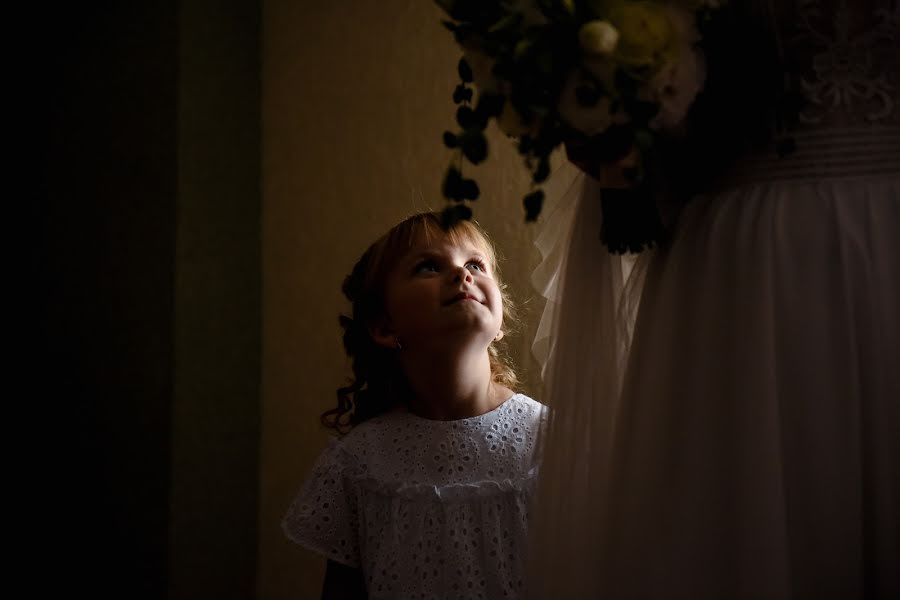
461 237
443 242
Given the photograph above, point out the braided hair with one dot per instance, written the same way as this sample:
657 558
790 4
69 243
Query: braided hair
377 384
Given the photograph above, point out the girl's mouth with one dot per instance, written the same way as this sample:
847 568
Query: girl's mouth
461 297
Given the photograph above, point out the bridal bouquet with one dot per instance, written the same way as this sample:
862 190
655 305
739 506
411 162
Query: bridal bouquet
604 78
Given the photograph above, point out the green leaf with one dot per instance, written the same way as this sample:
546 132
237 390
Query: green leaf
461 94
474 147
543 171
465 117
470 189
510 21
450 140
465 71
489 105
522 48
452 187
455 213
533 203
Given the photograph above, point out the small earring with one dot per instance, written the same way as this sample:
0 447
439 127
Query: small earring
397 345
499 336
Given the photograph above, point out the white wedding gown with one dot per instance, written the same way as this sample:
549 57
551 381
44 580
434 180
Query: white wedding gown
726 409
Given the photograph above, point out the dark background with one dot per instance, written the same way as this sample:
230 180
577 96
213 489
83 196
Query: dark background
141 325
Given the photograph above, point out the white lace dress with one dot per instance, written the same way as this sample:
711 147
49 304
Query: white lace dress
426 509
731 402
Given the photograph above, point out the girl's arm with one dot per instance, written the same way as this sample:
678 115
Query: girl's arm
343 583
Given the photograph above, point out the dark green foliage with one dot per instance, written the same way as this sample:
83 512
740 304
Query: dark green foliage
533 203
457 188
462 94
543 170
450 140
455 213
533 59
465 117
474 146
465 71
631 221
452 188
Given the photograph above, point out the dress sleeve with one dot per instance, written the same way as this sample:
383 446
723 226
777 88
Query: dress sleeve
323 516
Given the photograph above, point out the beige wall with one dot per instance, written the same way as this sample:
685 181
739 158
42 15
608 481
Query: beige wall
356 95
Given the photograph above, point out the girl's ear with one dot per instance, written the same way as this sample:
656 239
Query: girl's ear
383 334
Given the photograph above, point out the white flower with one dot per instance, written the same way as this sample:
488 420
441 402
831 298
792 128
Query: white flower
680 79
676 86
598 37
589 120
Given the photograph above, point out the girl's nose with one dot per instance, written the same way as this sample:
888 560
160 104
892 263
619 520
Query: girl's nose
462 274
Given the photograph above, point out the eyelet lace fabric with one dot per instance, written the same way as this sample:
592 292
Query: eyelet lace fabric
427 509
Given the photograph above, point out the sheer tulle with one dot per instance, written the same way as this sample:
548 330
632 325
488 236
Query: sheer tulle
740 445
582 343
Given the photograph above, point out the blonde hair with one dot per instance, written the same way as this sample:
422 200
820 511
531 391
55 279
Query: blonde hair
377 383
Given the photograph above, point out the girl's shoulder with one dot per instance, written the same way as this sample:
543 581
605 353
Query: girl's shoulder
523 408
526 403
375 432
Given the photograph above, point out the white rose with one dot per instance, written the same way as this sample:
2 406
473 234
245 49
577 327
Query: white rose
681 78
598 37
589 120
676 86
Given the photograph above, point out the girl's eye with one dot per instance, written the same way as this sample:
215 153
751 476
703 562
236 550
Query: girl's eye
426 266
476 265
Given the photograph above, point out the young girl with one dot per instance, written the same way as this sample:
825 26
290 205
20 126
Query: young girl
426 496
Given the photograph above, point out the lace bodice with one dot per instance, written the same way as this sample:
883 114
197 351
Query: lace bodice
427 509
843 57
796 89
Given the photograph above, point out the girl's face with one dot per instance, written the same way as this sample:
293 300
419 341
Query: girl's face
439 292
